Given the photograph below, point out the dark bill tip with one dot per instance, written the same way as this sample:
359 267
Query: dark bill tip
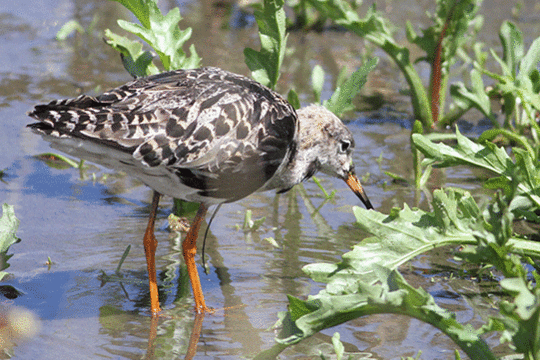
357 188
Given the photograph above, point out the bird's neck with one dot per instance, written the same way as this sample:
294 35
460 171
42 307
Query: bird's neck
303 163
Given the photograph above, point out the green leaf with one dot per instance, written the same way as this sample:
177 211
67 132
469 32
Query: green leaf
393 295
477 97
512 42
400 236
257 65
338 346
293 99
530 61
136 61
487 156
299 308
68 28
159 31
317 82
522 317
341 100
403 234
250 224
8 229
490 134
265 64
140 8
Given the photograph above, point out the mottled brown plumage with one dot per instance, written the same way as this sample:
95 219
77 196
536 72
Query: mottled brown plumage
210 128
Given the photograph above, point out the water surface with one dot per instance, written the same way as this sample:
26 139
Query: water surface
85 220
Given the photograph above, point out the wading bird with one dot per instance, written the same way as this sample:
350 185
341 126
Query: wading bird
203 135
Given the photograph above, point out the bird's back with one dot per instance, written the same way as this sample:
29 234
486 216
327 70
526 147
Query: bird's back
202 135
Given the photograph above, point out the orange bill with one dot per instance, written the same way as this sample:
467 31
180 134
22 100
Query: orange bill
357 188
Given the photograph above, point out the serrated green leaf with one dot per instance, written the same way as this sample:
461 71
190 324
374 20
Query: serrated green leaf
486 156
512 42
522 316
403 234
8 229
392 295
341 100
136 61
466 152
265 64
162 33
299 308
399 237
499 182
477 97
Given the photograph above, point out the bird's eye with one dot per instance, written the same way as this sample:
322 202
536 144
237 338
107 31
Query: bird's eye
344 146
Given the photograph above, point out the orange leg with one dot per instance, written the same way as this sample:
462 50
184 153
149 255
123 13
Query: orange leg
189 247
150 245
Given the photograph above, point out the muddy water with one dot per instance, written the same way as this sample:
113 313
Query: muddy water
85 220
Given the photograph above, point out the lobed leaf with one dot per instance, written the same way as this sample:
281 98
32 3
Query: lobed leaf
400 236
341 100
512 43
266 63
159 31
136 61
8 229
521 317
352 288
476 97
392 295
485 156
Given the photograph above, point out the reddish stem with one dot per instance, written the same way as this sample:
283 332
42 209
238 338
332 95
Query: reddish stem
436 71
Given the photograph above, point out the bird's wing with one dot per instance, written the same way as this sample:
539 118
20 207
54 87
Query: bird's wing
215 129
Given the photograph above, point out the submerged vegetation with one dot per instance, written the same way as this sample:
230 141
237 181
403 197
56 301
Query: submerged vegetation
367 280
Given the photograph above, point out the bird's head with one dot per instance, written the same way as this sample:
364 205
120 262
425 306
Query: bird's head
327 145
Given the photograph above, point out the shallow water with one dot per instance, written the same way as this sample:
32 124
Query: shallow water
84 221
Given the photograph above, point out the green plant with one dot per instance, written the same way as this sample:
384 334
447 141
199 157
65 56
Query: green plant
69 28
265 64
251 225
73 26
3 174
520 179
346 87
159 31
59 161
306 17
8 229
366 281
454 24
518 86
